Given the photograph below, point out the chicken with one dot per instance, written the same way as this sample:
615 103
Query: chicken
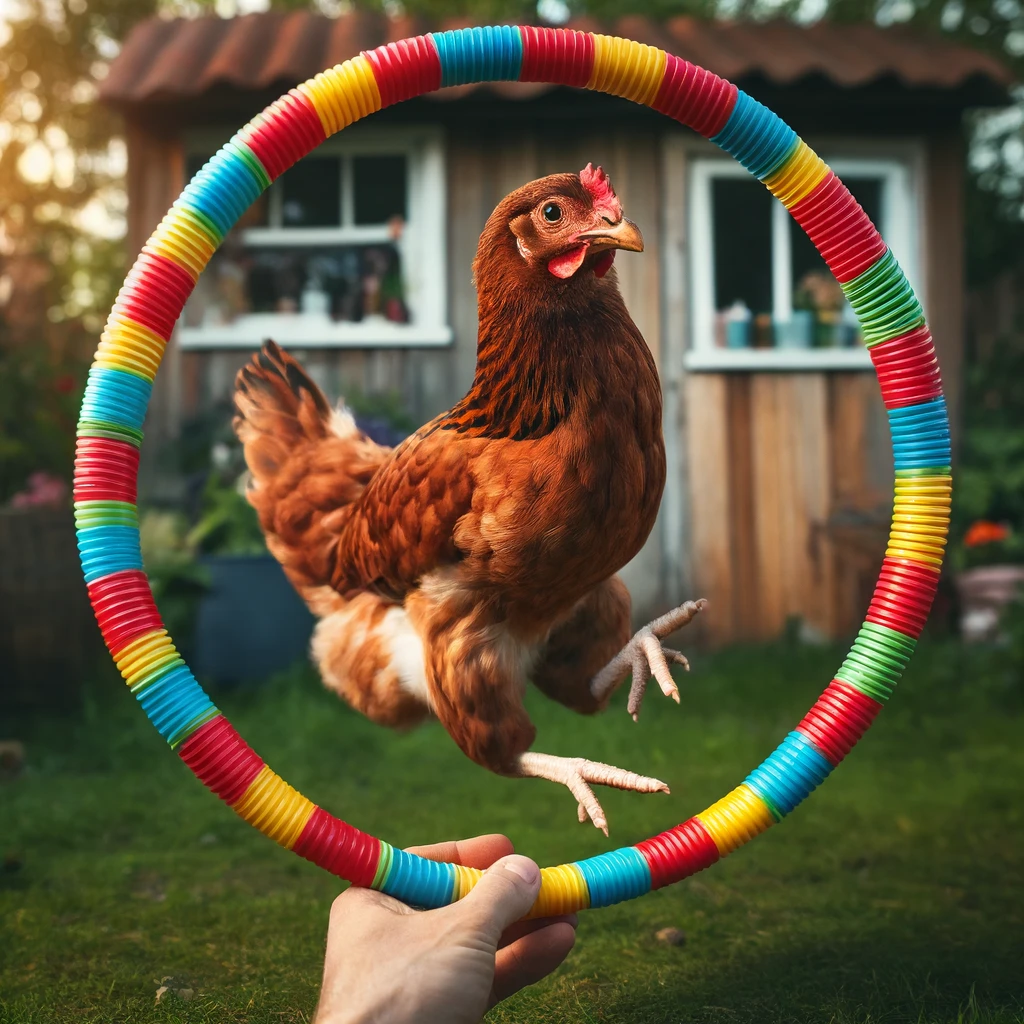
482 551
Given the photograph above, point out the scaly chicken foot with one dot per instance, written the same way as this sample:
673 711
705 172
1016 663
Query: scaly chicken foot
645 655
577 774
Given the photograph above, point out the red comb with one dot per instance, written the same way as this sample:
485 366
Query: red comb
599 185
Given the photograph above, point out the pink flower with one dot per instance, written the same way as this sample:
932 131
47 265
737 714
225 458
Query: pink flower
43 489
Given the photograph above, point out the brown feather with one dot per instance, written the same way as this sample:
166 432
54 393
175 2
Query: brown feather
304 477
497 522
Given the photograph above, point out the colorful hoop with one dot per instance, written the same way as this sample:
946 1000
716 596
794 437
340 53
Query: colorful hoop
149 303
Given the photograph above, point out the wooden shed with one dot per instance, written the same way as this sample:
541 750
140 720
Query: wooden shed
359 259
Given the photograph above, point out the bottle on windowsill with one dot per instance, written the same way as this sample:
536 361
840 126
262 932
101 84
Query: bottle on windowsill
737 325
314 299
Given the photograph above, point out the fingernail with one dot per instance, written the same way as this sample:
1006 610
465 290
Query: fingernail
523 868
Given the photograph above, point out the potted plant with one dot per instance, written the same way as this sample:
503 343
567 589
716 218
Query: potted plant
177 577
989 495
798 331
250 622
819 294
992 577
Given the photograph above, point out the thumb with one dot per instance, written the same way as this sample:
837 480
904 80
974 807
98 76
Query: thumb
504 894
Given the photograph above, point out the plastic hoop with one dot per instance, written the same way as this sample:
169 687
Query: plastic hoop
152 297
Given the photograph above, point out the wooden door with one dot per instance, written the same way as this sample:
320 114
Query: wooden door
788 498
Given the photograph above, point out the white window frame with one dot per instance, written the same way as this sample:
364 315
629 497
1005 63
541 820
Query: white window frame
423 250
900 171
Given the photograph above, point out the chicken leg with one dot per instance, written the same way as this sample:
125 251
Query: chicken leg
644 655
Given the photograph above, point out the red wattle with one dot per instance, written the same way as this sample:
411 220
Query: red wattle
604 264
569 262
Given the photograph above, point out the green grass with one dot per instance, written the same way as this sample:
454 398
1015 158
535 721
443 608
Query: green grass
895 894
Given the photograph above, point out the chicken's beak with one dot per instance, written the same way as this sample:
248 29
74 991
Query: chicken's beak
622 235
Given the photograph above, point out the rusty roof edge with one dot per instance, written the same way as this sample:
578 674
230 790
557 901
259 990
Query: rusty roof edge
133 81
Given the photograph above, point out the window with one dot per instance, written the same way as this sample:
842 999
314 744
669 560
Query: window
762 297
346 248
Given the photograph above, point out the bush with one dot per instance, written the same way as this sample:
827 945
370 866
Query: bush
39 400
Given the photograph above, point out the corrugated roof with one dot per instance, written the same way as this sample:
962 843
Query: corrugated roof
165 59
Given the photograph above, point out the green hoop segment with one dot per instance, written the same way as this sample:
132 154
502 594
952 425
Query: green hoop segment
149 303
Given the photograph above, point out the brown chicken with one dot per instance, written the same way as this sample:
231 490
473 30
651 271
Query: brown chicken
481 552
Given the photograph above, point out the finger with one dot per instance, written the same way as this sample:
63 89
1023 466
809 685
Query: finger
516 931
504 894
479 852
530 958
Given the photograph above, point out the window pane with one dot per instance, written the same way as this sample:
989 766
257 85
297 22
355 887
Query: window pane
311 193
742 225
867 192
821 314
337 282
380 186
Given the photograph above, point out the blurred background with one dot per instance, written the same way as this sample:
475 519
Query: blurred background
358 259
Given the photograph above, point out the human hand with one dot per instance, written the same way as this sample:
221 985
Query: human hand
386 962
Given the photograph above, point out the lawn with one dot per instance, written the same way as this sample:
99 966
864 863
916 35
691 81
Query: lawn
894 894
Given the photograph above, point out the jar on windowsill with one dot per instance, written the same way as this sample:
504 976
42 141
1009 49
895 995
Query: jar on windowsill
827 330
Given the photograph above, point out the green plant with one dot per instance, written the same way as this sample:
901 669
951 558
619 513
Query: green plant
990 473
177 577
227 523
384 406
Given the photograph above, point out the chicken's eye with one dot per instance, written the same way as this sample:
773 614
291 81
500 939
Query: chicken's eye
552 212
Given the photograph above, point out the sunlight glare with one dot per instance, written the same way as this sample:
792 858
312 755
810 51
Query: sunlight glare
36 164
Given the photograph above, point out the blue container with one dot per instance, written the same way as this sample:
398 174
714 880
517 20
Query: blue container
251 623
737 334
797 331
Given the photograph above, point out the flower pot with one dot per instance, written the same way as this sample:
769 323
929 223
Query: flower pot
984 593
797 332
737 334
251 623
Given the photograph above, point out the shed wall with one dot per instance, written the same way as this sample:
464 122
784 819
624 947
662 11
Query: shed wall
778 482
790 474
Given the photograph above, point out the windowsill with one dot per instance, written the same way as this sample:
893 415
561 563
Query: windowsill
779 359
308 330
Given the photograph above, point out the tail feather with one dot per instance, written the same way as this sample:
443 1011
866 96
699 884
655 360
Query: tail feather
307 462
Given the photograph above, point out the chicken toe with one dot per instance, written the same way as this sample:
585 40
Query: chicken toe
578 774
